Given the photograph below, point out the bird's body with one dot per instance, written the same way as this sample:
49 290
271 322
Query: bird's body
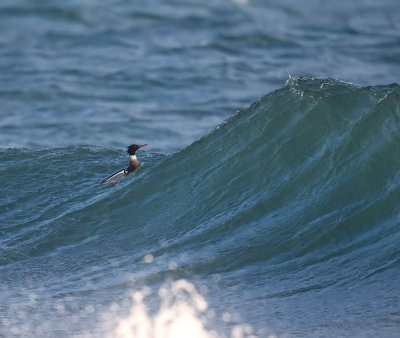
133 164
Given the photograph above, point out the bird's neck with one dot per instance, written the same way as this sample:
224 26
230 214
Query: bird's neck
133 163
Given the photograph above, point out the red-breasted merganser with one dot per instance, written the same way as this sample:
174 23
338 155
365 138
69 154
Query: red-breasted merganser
133 164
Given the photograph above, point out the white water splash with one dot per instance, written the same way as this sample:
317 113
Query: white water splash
178 315
182 313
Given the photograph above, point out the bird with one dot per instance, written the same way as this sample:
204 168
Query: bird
133 164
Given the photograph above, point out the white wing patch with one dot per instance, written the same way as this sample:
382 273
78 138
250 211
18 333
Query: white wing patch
114 177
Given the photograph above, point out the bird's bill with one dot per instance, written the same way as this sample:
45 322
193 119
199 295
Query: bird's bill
142 145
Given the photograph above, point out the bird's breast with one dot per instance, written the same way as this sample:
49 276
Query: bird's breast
134 161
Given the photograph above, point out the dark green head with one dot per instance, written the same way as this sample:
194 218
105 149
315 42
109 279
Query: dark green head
133 147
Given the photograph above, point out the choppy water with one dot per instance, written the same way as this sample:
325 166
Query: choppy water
281 220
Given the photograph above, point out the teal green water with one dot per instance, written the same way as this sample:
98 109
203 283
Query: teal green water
287 214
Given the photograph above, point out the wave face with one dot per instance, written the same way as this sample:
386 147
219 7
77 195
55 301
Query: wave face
286 213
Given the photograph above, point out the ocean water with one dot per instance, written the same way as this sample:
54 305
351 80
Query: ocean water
267 202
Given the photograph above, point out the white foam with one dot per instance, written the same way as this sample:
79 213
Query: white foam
183 312
178 315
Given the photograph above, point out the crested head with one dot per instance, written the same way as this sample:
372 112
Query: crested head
133 147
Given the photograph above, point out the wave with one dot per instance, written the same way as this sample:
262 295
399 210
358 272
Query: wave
290 204
309 174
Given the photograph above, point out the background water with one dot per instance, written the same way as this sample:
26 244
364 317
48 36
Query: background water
282 220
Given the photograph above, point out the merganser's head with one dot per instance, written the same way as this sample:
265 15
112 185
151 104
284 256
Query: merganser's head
133 147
